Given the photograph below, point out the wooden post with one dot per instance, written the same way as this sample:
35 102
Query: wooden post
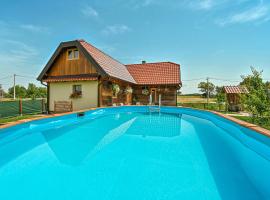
20 107
100 93
42 106
48 98
14 86
226 103
54 106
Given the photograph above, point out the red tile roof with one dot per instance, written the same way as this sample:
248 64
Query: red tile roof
155 73
111 66
235 90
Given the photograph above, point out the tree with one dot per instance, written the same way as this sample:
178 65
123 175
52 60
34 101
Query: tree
42 92
268 88
204 87
32 92
257 101
220 94
20 92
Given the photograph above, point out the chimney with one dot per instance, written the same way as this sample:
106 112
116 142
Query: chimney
143 62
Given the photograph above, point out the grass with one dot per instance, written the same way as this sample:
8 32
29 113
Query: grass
204 106
13 119
263 122
193 99
198 102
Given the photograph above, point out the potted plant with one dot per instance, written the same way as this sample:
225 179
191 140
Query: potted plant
75 95
129 90
145 91
115 89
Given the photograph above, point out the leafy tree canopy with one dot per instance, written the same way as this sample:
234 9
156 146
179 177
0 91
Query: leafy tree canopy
257 101
204 87
220 94
32 91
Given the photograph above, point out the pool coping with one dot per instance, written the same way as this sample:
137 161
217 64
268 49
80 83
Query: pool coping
42 116
235 120
244 123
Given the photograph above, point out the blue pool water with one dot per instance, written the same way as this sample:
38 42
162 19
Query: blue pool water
130 153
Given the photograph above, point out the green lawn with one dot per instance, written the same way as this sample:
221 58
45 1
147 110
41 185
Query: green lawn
193 99
264 122
204 106
12 119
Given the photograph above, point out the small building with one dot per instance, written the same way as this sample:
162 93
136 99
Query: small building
87 77
233 97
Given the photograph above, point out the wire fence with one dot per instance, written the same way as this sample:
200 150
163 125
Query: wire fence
21 107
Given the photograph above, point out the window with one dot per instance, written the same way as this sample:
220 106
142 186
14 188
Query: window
73 54
77 89
70 52
76 54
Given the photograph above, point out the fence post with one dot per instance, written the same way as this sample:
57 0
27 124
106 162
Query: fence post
42 106
20 107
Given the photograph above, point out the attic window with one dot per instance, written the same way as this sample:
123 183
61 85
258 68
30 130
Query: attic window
73 54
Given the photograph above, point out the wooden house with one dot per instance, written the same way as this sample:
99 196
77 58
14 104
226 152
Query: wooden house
233 96
87 77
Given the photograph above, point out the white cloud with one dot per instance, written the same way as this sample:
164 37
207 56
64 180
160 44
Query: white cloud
202 4
17 51
258 13
34 28
88 11
205 5
116 29
20 58
147 2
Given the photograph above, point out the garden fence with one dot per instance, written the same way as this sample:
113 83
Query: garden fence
21 107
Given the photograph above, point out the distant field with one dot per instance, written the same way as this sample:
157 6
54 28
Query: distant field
6 99
193 99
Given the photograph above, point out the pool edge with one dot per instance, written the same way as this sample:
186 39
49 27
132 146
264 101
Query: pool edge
248 125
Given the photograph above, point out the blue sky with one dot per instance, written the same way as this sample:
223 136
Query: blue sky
214 38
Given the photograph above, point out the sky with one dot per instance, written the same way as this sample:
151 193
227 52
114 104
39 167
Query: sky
219 39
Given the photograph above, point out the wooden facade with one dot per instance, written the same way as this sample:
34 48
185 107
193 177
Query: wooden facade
62 66
106 96
168 94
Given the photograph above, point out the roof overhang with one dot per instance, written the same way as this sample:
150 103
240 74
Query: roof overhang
84 77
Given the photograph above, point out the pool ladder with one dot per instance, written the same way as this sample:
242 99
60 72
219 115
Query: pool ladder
154 108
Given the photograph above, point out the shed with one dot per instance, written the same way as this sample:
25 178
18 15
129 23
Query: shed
233 95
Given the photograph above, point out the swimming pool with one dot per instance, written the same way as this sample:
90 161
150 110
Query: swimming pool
132 153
